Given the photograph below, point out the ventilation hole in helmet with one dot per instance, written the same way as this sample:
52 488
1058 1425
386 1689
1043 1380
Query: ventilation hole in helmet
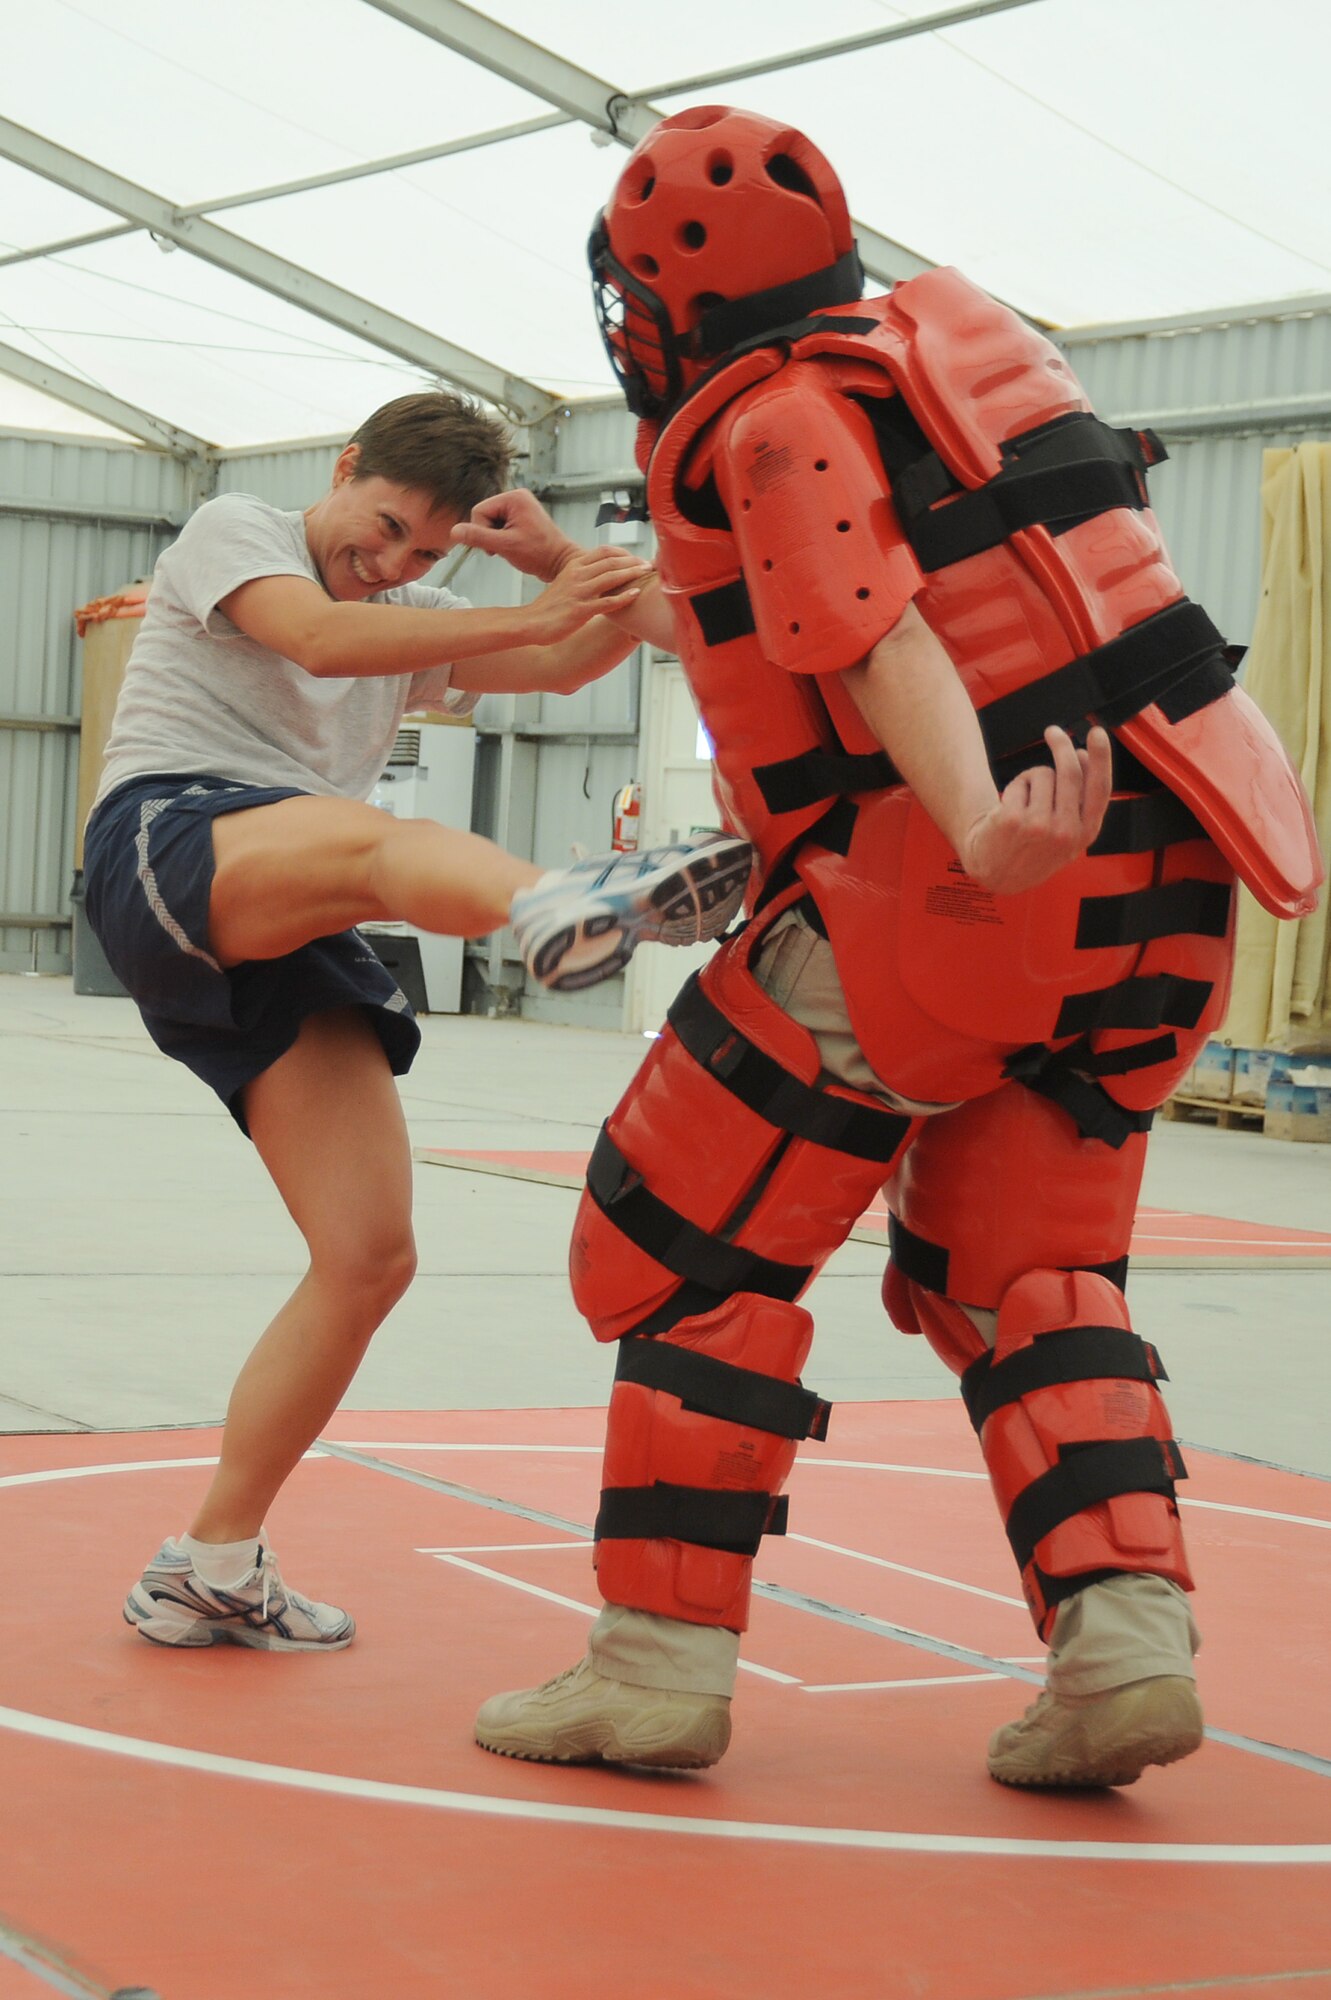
644 192
767 562
645 266
789 174
820 465
843 527
795 628
692 236
720 169
705 302
862 591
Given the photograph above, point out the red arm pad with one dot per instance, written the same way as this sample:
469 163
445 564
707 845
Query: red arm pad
827 569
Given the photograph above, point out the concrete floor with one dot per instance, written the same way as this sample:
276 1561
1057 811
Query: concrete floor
142 1248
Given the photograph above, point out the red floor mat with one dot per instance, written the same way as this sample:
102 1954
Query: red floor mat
218 1824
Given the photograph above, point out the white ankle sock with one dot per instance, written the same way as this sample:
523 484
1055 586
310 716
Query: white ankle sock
222 1564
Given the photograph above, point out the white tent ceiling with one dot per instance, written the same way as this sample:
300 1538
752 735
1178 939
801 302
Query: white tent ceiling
1087 160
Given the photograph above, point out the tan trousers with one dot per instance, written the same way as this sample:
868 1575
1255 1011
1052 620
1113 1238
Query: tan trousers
1128 1628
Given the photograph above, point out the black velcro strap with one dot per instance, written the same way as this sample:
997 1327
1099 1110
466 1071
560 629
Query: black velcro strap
1165 652
724 613
1072 1354
1176 658
735 1522
1139 826
677 1243
1056 475
1161 1001
834 832
794 782
1129 773
814 918
1085 1476
685 1303
1198 688
719 1389
758 1081
1054 1590
1191 907
1138 1055
1116 1271
1095 1114
916 1258
759 317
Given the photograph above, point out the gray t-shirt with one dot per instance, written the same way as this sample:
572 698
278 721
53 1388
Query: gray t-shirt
200 697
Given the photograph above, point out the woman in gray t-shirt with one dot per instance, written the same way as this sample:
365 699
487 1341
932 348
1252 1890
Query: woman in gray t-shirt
231 852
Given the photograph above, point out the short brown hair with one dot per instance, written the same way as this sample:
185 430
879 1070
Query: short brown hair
438 443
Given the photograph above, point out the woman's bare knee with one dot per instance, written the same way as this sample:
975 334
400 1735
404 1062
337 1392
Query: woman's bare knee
369 1275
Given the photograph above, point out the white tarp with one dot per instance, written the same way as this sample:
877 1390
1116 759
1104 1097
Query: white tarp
1282 972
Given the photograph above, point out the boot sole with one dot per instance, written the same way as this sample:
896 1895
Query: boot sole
1175 1731
594 1744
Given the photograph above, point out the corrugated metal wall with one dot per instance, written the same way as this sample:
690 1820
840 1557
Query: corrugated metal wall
77 520
1220 395
292 476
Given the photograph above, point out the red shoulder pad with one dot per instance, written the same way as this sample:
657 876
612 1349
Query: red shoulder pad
827 568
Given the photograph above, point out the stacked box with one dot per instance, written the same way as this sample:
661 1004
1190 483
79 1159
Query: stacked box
1253 1072
1213 1072
1298 1111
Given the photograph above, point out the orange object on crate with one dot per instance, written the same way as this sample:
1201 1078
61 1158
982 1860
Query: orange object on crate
127 603
106 648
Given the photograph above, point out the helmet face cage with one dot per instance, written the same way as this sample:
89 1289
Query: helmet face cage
636 331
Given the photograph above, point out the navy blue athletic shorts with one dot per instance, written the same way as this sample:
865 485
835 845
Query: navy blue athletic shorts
148 871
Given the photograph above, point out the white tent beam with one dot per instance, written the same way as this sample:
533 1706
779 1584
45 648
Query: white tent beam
848 45
256 266
499 49
600 105
881 258
607 108
394 163
37 250
99 403
309 184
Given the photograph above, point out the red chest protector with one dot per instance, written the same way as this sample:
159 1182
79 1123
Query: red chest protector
933 427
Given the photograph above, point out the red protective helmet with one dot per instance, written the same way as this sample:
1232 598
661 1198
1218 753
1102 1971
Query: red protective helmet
723 226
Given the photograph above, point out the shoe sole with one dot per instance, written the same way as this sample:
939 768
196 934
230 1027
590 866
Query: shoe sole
205 1633
692 904
594 1744
1172 1732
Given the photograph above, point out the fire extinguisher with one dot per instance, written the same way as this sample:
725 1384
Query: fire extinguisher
627 816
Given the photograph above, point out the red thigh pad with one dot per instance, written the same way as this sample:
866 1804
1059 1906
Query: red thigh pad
728 1166
1004 1185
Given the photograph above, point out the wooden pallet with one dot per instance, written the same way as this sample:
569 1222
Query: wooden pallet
1226 1112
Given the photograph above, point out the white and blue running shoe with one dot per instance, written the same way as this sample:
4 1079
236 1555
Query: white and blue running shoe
581 924
172 1605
